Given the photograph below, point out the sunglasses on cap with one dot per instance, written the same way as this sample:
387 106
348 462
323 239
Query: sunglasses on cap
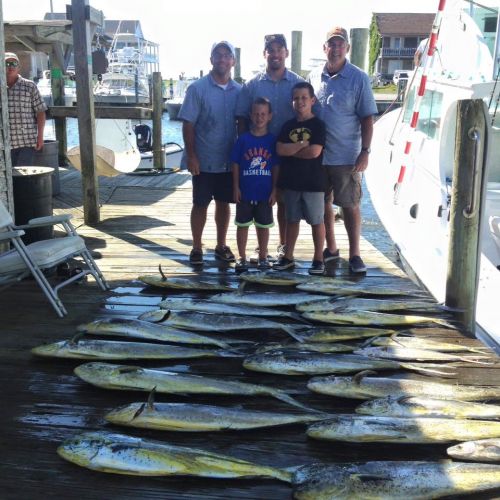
278 38
11 64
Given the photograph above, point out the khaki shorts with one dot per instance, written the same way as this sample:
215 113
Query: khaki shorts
345 185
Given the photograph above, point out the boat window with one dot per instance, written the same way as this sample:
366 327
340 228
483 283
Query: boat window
429 117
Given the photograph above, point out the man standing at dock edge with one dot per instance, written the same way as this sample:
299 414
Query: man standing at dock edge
347 108
209 132
26 114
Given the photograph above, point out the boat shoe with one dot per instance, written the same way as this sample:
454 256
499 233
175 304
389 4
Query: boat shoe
224 253
356 264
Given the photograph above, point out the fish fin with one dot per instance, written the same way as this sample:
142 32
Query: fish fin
369 341
429 369
241 287
76 338
163 277
291 331
151 398
299 317
361 375
128 369
139 411
368 477
282 396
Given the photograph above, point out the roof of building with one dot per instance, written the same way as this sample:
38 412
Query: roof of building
111 27
406 24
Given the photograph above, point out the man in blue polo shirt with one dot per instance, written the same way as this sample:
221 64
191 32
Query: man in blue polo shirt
209 132
347 108
275 84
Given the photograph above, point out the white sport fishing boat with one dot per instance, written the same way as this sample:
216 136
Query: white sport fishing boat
131 61
414 202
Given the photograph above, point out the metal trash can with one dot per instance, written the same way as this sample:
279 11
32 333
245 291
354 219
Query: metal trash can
49 157
33 198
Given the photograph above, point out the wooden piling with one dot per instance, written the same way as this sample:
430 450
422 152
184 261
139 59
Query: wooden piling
466 208
85 104
359 47
297 51
57 86
158 156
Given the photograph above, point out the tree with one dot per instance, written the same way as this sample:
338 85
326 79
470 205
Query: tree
375 44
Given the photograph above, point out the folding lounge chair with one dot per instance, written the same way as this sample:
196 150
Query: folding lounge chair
23 260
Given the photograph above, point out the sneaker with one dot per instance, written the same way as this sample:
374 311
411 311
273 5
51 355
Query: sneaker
241 265
264 264
280 251
356 264
254 258
317 267
330 256
283 263
196 257
224 253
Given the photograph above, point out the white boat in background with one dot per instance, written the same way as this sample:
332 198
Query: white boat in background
131 61
116 151
417 216
44 85
173 105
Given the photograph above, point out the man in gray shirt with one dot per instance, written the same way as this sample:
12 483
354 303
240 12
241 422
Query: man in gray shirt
209 132
347 108
275 84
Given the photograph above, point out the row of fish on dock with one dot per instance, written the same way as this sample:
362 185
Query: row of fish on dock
339 334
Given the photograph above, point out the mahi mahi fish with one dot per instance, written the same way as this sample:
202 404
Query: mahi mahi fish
204 322
108 349
414 406
337 287
183 283
366 429
424 343
366 318
304 346
313 363
393 480
364 386
401 353
122 377
340 303
482 450
282 278
341 333
206 306
120 454
146 330
267 299
185 417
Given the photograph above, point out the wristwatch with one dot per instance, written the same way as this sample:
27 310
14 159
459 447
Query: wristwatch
366 150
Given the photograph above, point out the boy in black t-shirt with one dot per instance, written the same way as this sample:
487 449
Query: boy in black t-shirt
303 176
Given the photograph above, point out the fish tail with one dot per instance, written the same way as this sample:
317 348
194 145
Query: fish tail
293 333
282 396
285 475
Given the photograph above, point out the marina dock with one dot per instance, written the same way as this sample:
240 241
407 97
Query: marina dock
144 223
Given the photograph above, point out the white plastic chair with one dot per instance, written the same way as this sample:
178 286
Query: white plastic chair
23 260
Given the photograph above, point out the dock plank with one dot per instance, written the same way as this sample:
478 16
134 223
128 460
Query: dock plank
145 222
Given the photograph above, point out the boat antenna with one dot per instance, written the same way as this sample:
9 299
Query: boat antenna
431 48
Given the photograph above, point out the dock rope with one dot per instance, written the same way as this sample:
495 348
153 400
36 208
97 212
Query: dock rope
428 61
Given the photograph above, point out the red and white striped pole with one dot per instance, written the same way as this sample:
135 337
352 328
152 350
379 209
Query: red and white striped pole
431 48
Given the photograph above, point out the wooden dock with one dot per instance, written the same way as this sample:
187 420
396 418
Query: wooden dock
145 222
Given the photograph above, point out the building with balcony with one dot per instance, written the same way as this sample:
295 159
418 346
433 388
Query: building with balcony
400 35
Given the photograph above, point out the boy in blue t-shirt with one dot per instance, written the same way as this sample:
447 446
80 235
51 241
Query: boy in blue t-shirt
255 172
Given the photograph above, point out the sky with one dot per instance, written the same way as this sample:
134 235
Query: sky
186 29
